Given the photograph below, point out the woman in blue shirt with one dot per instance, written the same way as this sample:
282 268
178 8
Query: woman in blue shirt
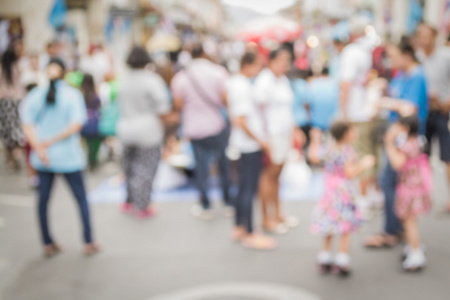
408 96
52 118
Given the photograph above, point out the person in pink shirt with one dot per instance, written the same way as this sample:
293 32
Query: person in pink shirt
199 92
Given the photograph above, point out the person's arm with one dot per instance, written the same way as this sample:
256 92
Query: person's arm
343 98
65 134
396 158
314 149
241 122
30 136
354 168
404 108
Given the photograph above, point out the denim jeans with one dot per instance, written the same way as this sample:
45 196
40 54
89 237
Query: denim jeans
250 166
203 149
388 184
75 181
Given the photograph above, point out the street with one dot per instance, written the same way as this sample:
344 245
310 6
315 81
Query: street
175 256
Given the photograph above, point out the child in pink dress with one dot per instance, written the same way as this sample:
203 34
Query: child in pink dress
336 213
413 192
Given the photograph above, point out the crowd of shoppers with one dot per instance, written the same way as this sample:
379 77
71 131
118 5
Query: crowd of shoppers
260 113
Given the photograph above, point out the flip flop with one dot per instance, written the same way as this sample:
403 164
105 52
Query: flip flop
380 242
92 250
260 243
278 229
52 250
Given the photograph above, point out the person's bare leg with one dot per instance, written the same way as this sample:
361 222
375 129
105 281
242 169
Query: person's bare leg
327 241
276 193
264 195
344 243
412 232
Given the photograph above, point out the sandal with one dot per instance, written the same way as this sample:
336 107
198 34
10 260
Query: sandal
91 249
259 242
51 250
381 241
275 228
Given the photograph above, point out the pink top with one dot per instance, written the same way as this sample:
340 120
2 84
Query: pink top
13 91
201 87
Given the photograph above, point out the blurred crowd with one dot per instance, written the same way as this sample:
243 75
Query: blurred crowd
366 115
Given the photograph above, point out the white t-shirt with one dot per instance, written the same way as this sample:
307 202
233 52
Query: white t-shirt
355 66
277 98
241 103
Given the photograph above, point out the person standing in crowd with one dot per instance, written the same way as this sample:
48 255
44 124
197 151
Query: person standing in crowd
355 66
144 108
336 213
90 129
11 94
247 136
436 62
301 113
275 97
408 95
52 51
52 119
413 190
199 92
323 99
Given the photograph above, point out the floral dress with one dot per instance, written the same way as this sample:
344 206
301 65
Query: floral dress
336 213
413 192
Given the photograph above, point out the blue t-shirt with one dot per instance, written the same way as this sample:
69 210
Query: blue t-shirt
411 87
300 87
65 156
323 97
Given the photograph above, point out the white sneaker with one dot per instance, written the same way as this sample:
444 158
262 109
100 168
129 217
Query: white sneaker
228 211
200 213
415 260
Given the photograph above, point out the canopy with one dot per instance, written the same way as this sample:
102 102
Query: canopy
270 28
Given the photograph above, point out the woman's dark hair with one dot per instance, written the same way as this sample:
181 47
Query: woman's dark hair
412 122
51 94
138 58
339 129
197 51
406 48
275 53
88 89
249 58
9 58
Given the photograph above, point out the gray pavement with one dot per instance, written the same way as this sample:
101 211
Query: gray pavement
174 256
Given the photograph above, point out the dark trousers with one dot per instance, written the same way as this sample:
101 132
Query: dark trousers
388 184
250 166
76 184
203 149
437 124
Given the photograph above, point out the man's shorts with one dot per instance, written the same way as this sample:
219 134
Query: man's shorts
367 144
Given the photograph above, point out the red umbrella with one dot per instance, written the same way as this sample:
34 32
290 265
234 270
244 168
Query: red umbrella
271 28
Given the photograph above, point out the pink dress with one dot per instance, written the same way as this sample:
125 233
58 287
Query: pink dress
413 193
336 213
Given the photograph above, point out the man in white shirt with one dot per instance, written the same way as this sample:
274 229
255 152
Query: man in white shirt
436 63
355 67
247 137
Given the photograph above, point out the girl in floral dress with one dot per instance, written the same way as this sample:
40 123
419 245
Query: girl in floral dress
336 213
413 191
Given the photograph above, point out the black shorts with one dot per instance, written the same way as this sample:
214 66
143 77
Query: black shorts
437 123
